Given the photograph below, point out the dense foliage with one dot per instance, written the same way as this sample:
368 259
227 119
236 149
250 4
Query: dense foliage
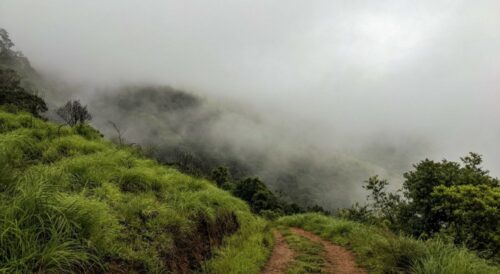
470 215
457 201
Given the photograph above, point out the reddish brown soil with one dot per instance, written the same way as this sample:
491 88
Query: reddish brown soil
281 257
339 260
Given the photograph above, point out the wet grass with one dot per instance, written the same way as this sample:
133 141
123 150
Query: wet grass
71 201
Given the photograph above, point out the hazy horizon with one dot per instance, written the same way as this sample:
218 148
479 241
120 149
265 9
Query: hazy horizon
341 76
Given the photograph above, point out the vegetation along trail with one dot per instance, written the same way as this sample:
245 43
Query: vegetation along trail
300 251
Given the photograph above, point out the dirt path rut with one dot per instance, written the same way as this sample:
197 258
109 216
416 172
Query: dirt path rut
281 257
339 260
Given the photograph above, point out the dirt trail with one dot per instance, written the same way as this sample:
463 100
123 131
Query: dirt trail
340 260
281 257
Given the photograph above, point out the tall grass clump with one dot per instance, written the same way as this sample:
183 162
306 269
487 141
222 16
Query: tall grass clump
69 146
19 148
35 233
246 251
443 258
13 121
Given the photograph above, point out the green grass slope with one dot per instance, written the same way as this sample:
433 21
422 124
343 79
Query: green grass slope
380 251
71 201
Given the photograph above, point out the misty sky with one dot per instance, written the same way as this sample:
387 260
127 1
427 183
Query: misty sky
339 73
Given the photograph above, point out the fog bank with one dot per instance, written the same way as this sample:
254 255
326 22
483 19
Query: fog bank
385 83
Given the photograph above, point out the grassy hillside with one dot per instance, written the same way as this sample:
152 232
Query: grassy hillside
70 201
381 251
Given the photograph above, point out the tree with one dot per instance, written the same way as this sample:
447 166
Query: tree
5 42
220 175
384 204
6 52
420 183
459 200
73 113
11 93
255 192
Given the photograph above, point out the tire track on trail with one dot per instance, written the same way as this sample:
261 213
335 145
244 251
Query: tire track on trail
281 256
338 259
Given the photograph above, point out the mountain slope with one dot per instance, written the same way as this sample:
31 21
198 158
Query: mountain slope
71 201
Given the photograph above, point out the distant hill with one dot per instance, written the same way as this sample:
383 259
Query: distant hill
196 135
